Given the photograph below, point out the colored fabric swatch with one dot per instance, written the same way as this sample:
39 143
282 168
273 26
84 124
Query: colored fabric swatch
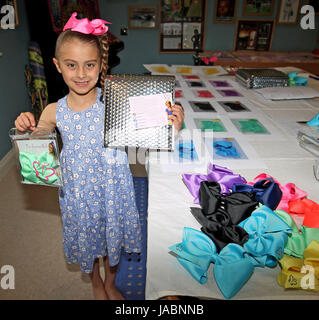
203 94
210 125
160 69
204 106
233 106
210 71
226 149
186 150
249 126
219 83
179 94
229 93
190 76
184 70
195 84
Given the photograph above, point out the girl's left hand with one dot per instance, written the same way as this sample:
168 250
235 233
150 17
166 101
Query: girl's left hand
177 116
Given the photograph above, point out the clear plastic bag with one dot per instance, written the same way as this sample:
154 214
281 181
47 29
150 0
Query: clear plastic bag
37 156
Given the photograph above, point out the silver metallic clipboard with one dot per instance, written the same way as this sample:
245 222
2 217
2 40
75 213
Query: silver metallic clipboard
119 129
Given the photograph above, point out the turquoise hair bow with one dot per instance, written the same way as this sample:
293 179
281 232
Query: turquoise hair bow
232 268
234 264
38 169
268 235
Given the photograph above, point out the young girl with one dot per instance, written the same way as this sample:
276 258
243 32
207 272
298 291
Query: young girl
97 199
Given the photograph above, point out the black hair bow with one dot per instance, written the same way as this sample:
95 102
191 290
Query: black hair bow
221 213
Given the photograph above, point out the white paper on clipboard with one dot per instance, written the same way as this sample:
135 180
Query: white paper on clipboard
150 110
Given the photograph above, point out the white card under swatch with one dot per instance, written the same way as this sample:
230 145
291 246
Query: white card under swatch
149 111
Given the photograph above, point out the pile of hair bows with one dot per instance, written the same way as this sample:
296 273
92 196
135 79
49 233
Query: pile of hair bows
247 225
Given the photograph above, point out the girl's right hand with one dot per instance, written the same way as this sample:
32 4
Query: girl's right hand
25 121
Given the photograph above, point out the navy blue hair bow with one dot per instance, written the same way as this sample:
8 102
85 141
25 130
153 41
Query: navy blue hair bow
266 191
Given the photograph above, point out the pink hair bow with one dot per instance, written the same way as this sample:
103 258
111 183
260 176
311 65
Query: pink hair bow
208 60
96 27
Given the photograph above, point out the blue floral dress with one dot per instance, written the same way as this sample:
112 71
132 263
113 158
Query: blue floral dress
97 200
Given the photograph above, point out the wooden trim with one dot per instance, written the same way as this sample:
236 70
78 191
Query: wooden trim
311 66
16 13
270 52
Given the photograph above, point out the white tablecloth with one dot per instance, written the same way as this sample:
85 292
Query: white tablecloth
170 201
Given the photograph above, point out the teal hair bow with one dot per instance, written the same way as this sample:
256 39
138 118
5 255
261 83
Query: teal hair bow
38 169
234 264
232 269
268 235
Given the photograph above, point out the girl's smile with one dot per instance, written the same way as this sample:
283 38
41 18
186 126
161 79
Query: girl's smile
82 84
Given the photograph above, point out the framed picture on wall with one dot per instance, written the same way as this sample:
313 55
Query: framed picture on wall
12 3
191 31
258 7
254 35
225 11
288 11
315 4
182 25
142 17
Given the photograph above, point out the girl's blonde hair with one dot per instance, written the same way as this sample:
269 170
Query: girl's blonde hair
101 42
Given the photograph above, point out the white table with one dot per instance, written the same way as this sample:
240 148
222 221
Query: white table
170 201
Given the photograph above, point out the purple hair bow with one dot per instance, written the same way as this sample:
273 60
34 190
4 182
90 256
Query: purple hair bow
225 177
